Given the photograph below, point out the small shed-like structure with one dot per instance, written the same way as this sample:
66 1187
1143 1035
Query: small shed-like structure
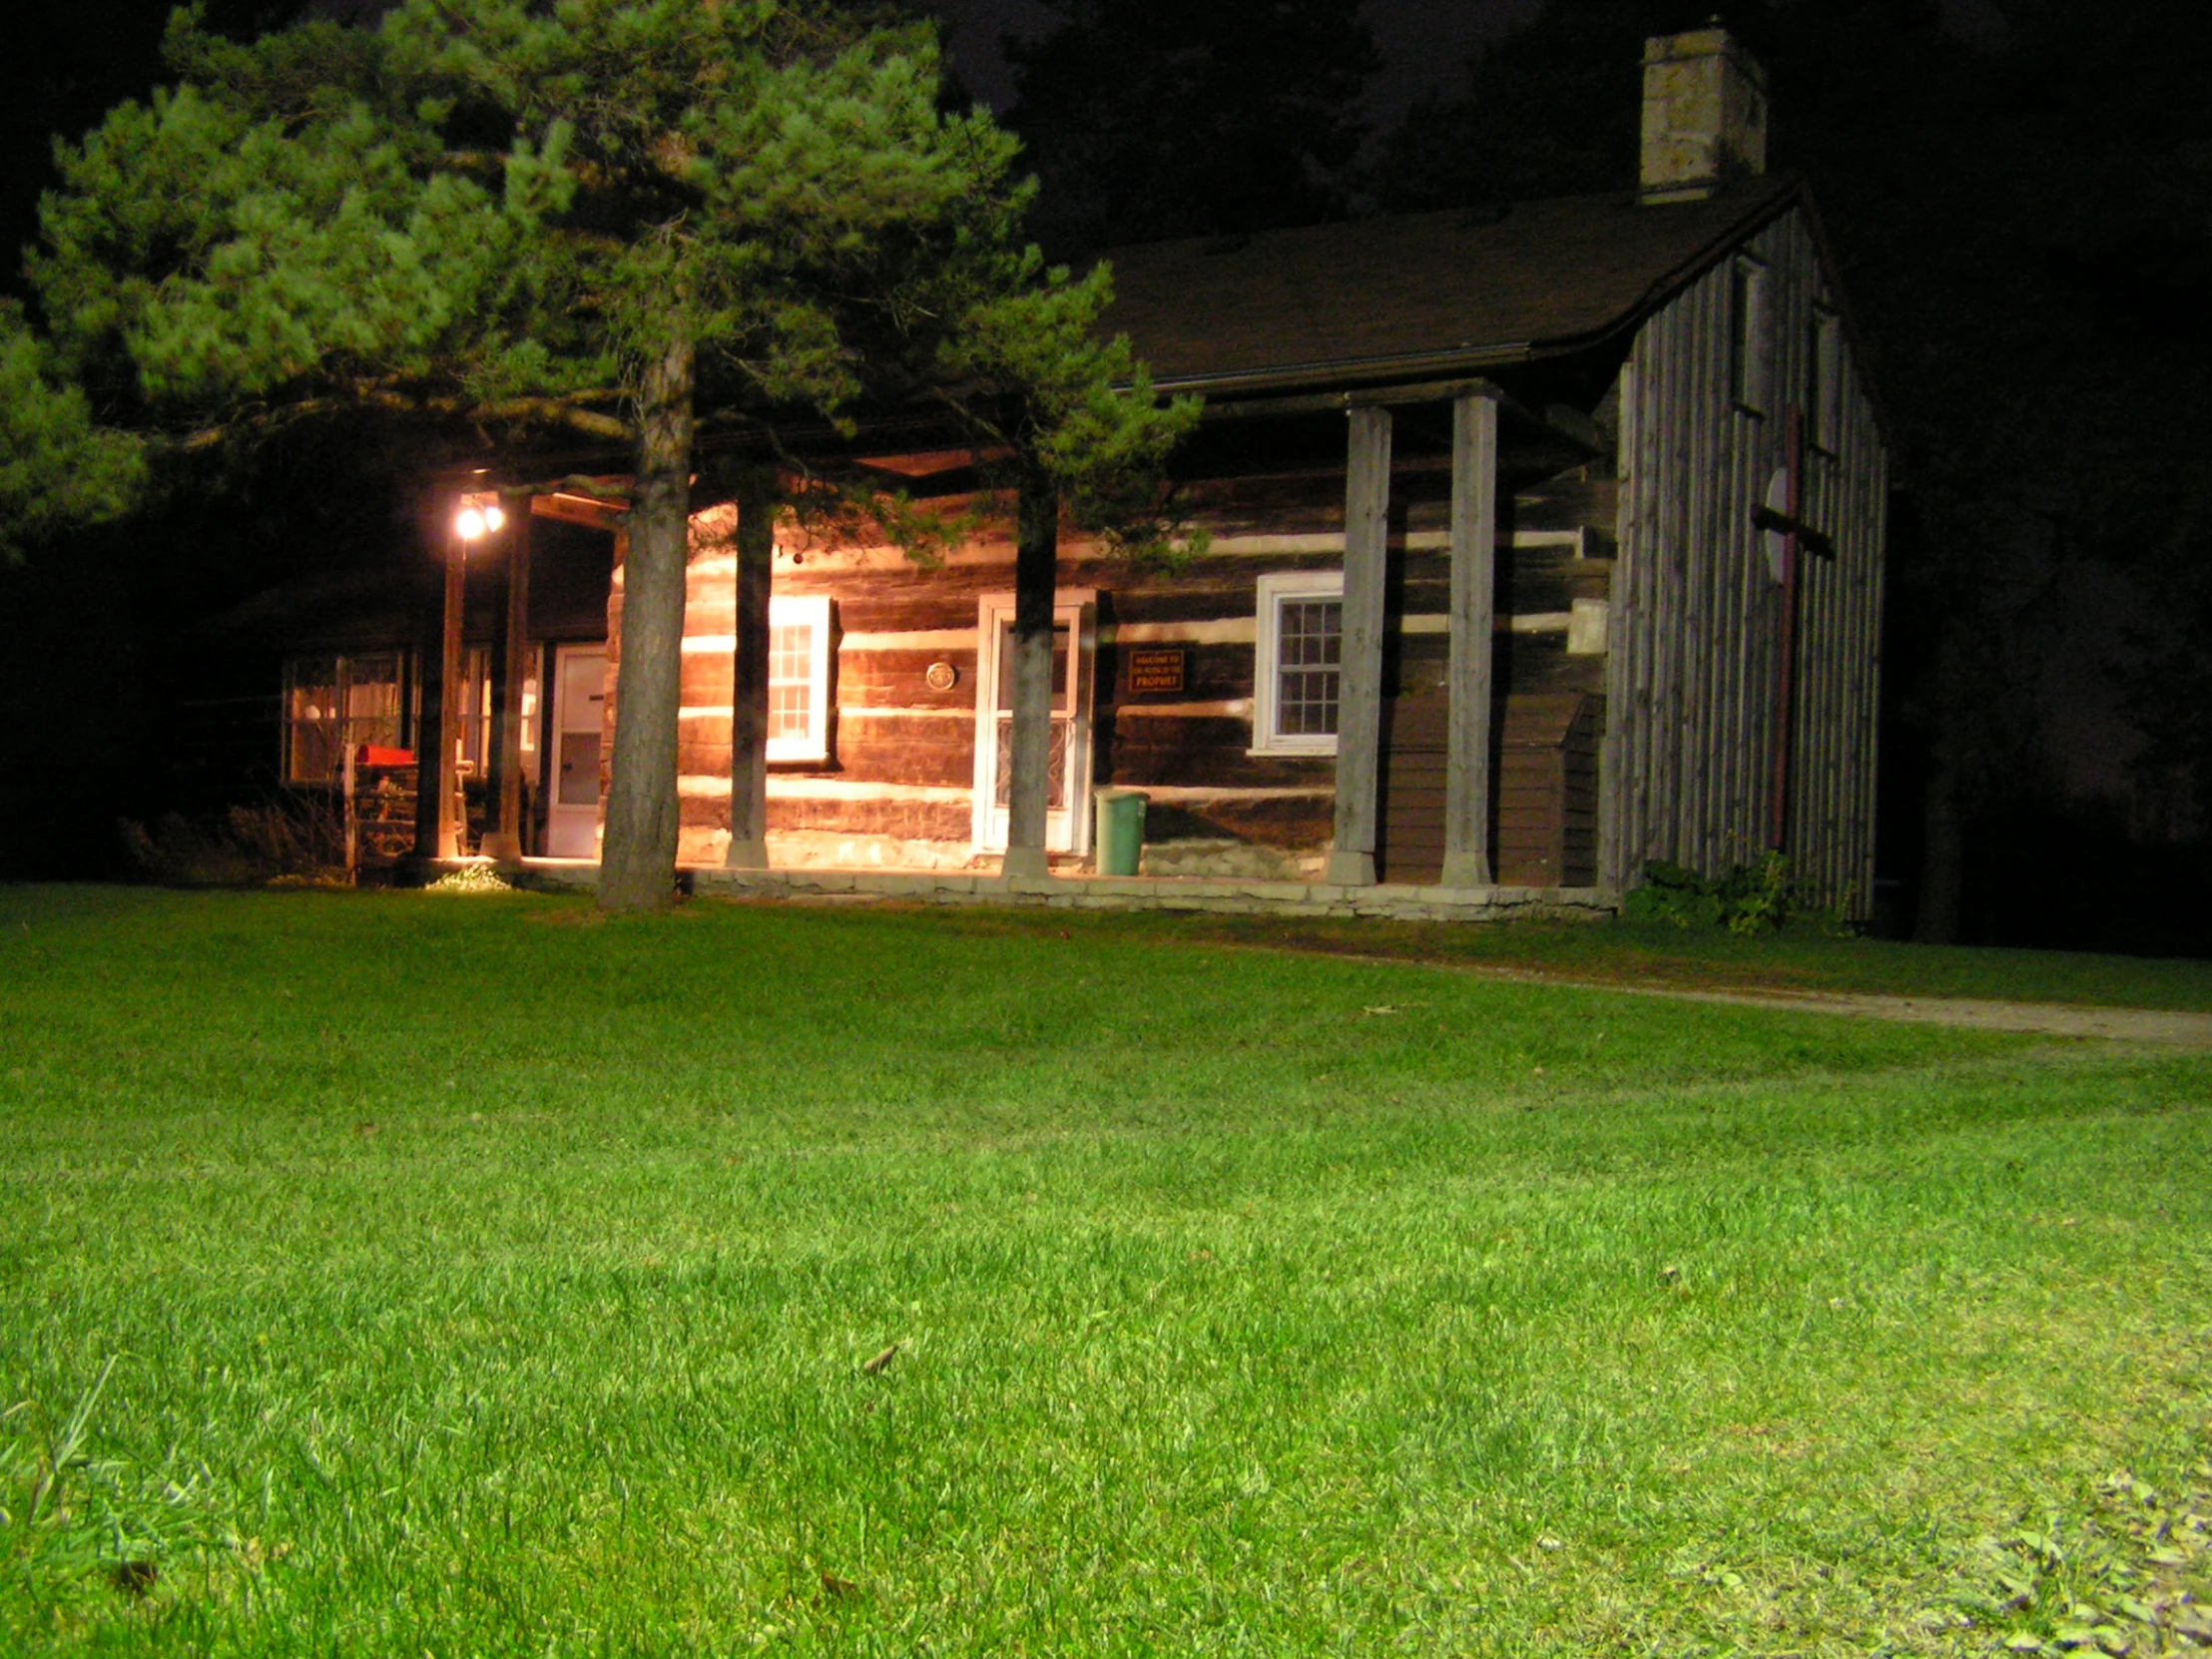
1543 541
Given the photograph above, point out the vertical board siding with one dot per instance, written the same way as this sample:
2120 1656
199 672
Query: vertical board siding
1691 682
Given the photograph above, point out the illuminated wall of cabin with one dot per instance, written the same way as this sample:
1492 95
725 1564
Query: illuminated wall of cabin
896 789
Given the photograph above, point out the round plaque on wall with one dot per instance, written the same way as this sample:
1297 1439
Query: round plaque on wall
941 677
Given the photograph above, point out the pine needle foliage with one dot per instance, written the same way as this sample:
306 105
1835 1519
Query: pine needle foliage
630 222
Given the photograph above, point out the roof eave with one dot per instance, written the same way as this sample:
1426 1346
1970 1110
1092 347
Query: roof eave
1346 373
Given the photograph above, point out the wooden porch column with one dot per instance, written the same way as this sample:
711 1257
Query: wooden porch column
1359 684
1036 572
1474 604
443 772
429 675
756 491
510 667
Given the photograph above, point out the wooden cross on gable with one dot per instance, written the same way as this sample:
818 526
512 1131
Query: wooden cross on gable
1781 515
1783 529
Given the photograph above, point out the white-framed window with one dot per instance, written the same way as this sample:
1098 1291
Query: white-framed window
798 677
1750 340
1299 663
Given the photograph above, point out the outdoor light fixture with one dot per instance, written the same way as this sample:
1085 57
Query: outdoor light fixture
480 516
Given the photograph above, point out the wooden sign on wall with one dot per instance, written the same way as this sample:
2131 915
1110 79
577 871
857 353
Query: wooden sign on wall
1156 669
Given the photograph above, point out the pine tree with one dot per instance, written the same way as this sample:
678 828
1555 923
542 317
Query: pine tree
626 219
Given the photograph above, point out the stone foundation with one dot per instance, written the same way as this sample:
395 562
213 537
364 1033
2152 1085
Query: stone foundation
1231 860
833 849
1136 892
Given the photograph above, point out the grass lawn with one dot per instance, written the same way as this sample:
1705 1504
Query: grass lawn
470 1275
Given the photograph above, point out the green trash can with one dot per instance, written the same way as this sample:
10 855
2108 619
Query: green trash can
1120 829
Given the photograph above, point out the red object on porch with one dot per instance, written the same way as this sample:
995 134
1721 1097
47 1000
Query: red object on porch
375 754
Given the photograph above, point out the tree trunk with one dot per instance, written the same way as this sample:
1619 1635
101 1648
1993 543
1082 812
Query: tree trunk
1036 573
749 694
637 860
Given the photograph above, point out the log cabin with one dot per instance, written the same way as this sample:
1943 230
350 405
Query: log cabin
1543 541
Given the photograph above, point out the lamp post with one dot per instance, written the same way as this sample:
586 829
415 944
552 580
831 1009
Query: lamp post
477 515
510 672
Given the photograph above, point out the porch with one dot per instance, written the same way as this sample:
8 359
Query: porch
1077 891
1383 676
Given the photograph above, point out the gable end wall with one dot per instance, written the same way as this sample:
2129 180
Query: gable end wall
1693 666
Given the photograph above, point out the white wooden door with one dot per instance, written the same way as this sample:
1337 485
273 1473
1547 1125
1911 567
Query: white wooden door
1067 821
579 711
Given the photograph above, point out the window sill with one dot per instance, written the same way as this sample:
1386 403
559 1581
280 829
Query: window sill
1282 751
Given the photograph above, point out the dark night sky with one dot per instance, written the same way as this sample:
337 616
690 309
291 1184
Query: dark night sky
1424 43
72 62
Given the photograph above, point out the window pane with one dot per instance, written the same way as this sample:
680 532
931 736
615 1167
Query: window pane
1309 655
790 679
578 783
314 752
1750 350
1006 667
1827 376
1055 767
529 717
372 700
312 720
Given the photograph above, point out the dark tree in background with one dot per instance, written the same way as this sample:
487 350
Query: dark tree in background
2023 220
1150 118
1550 110
103 638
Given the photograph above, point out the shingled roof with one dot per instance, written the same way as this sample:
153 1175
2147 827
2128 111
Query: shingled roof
1371 297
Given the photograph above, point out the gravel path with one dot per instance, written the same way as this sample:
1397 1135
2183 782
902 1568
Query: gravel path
2140 1027
2149 1027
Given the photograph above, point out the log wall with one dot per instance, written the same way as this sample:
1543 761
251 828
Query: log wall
1691 676
902 760
1638 627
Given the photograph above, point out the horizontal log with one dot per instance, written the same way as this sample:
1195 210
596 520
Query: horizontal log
1533 664
1566 503
1142 764
867 755
1127 734
1292 824
919 821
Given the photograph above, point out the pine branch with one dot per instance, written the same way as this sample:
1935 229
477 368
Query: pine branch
569 412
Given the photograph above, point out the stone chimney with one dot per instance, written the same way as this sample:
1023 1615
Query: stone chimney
1705 115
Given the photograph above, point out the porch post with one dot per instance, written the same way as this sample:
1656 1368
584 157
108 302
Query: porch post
445 774
1360 686
756 491
617 604
429 677
510 668
1474 604
1036 565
